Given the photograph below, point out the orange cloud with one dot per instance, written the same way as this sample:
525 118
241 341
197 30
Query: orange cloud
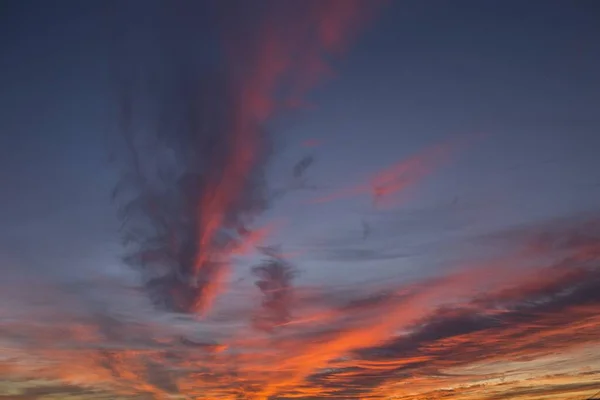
398 177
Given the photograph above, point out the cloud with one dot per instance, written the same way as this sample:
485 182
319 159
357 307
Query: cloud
387 184
549 311
197 193
423 339
350 343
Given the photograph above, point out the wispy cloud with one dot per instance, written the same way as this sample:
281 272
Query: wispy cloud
186 214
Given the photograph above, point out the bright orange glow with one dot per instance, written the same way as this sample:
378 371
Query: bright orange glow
440 324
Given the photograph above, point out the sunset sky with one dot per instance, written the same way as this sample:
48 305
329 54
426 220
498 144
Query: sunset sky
427 169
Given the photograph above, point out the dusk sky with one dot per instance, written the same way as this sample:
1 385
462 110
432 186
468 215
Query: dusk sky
299 199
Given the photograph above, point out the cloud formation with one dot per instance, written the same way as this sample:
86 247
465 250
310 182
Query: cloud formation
492 326
422 339
194 183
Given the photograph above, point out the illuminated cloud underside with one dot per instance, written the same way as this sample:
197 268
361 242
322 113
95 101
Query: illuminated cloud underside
492 330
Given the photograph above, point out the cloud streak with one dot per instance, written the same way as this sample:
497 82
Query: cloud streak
398 178
185 214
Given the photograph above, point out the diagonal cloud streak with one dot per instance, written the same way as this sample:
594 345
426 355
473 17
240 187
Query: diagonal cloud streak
195 196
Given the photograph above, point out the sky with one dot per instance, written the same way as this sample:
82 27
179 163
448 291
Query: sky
424 174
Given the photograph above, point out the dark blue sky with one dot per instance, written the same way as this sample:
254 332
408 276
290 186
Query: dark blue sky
524 73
